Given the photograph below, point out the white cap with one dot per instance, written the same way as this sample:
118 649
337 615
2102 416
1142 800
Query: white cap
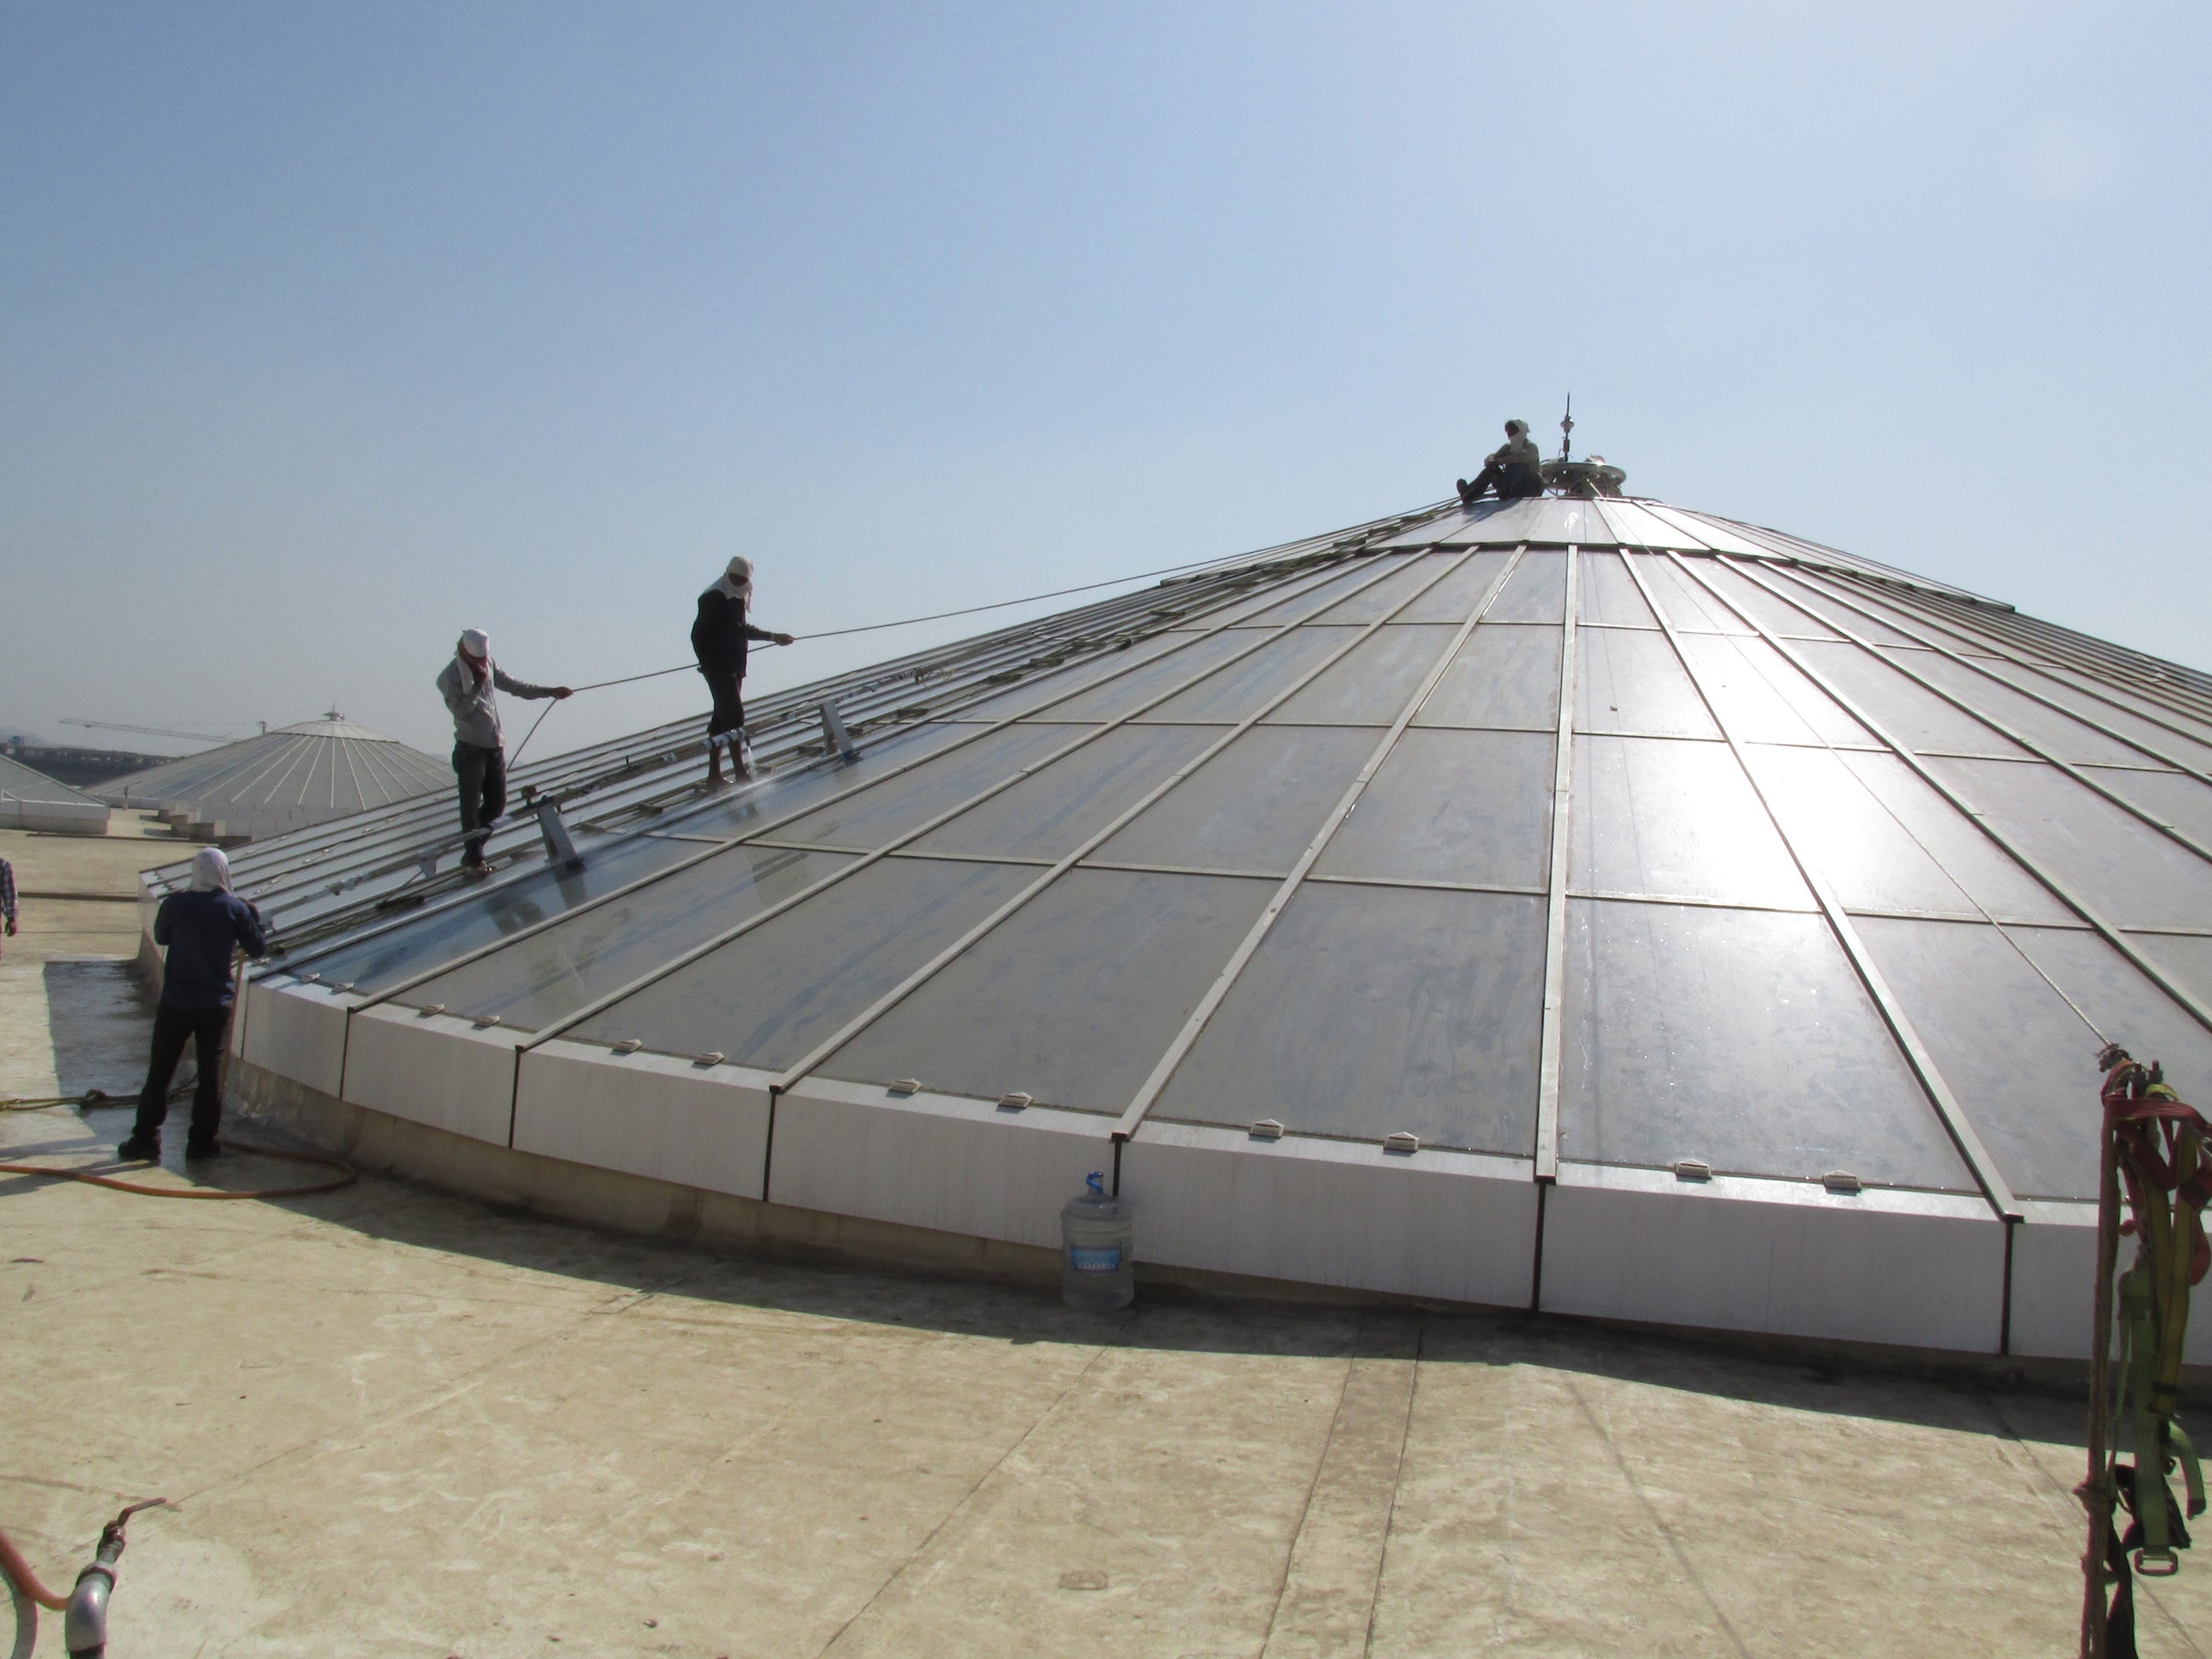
476 641
210 870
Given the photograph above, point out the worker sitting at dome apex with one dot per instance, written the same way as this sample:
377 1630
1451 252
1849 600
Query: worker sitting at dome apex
1513 469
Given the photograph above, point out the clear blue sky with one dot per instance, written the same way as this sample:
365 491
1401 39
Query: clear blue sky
326 329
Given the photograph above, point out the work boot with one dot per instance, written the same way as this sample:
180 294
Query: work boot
475 870
196 1150
141 1149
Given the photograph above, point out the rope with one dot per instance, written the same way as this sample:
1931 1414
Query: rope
2156 1146
347 1175
877 628
18 1571
92 1097
89 1097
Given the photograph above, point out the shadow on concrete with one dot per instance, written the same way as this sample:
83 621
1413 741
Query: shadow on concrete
99 1016
1967 1394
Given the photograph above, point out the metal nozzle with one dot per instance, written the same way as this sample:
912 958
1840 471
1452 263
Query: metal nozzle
84 1625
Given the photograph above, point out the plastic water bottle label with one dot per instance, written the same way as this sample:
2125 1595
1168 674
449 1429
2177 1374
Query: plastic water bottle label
1095 1258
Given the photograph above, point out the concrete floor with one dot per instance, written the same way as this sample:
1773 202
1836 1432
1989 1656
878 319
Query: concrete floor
401 1423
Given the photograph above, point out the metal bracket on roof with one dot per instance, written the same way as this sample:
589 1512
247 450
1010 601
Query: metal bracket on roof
835 736
559 848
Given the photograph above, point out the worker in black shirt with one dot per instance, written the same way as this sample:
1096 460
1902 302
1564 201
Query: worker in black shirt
719 639
201 929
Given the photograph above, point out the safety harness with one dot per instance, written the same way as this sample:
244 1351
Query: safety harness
2157 1148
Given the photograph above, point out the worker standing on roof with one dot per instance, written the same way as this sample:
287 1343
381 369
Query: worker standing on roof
1514 469
719 639
479 761
7 898
200 928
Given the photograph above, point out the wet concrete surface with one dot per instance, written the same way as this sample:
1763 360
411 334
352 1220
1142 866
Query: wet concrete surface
397 1422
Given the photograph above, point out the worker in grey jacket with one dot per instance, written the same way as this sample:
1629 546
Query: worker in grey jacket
467 684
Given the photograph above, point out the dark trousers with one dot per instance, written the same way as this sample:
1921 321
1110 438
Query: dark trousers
482 775
1510 482
205 1028
728 691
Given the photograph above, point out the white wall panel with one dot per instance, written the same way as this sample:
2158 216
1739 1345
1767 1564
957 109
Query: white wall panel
434 1069
1919 1270
1449 1224
958 1165
2054 1280
297 1031
648 1114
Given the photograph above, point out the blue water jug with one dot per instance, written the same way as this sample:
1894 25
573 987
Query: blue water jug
1095 1272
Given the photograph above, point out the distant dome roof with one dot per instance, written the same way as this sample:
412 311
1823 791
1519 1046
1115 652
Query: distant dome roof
284 779
22 782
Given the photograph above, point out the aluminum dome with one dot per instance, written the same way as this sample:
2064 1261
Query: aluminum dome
29 799
1589 905
283 780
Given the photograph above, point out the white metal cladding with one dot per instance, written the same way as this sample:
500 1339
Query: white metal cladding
1560 833
1919 1270
2054 1276
945 1162
1432 1224
433 1069
647 1114
297 1031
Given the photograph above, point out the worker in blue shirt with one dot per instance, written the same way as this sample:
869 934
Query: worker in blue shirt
201 929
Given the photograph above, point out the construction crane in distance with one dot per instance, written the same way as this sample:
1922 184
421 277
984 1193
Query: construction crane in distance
153 731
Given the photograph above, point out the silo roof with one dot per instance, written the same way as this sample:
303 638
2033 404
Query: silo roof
1600 841
22 782
331 766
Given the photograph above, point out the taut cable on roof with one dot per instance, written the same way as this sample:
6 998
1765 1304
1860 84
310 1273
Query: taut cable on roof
878 627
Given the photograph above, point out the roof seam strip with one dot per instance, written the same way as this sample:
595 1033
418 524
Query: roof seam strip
1194 1025
891 999
1950 1111
1551 1049
1288 578
2110 933
728 935
774 825
2172 832
2052 670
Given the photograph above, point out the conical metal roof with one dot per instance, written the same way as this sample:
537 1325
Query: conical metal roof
1588 903
286 779
30 799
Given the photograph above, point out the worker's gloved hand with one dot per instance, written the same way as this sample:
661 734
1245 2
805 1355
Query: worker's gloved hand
561 691
787 639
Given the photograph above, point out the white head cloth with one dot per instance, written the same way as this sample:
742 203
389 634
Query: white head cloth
210 870
738 580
